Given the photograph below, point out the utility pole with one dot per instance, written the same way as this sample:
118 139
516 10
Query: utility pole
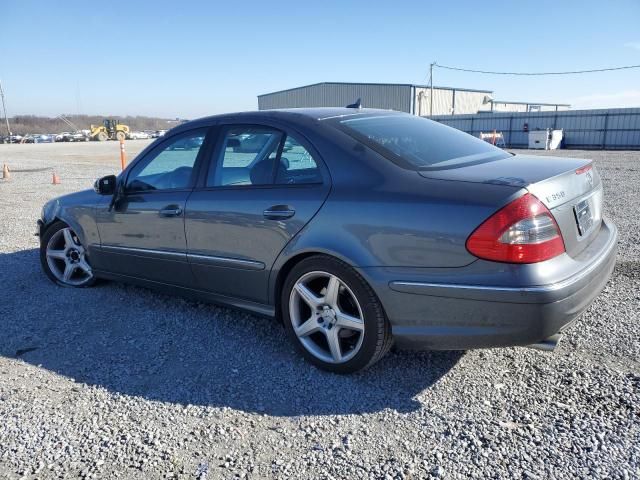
4 109
431 89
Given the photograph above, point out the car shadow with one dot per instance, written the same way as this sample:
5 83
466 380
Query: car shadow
132 341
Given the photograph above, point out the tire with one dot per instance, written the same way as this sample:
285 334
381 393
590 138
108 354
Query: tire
120 135
102 137
74 256
310 328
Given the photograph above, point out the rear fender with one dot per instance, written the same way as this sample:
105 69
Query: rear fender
299 250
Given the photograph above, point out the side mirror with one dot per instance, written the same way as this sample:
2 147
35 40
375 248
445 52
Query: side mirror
105 185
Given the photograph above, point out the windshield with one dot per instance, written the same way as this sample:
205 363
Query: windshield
420 144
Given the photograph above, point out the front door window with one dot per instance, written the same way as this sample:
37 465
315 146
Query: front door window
170 167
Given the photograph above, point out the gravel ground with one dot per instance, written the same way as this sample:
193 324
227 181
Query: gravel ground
120 382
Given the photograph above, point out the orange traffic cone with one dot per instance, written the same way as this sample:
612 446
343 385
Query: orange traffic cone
5 172
56 179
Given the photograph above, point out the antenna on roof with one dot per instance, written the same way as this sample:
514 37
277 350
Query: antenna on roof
358 104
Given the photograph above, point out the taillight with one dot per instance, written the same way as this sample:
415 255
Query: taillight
524 231
584 169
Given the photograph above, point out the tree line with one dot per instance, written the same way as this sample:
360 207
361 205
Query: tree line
25 124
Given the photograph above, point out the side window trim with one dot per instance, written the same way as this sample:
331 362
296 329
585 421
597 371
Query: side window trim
157 149
276 162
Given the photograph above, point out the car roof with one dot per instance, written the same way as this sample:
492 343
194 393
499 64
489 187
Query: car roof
321 113
317 113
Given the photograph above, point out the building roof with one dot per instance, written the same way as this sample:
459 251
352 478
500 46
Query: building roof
377 84
532 103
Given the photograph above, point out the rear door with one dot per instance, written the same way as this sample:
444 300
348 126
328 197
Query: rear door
262 186
142 233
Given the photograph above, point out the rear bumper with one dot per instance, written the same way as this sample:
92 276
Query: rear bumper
488 304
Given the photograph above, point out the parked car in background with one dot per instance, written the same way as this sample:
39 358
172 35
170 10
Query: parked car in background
44 138
372 227
71 137
61 136
139 136
158 133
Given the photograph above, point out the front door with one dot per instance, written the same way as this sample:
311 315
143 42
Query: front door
262 187
142 233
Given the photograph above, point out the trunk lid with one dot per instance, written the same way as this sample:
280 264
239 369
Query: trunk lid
569 187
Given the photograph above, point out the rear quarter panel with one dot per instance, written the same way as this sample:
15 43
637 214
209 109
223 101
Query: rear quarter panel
379 214
408 225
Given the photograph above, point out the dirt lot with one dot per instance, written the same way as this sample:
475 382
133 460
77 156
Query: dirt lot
121 382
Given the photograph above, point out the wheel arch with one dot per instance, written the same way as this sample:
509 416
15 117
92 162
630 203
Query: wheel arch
286 263
83 225
67 220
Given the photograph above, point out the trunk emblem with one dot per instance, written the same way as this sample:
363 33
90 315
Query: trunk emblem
590 178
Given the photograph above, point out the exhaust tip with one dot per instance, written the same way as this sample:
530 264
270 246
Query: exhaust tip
549 344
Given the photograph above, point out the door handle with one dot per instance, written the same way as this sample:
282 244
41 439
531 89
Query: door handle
279 212
171 211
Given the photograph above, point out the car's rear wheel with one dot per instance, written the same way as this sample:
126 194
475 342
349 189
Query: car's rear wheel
64 259
333 316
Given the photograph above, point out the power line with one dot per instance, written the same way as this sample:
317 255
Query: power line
626 67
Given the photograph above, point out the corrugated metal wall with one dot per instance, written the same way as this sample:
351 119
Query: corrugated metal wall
614 128
442 101
447 101
552 108
394 97
469 102
507 107
521 107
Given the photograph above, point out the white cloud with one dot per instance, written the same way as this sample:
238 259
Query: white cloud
627 98
634 45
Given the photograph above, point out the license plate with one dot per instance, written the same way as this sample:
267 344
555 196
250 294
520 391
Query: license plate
584 219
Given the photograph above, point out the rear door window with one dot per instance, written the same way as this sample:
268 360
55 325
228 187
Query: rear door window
256 155
246 157
297 165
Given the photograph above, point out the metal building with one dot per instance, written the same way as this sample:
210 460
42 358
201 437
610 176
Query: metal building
415 99
507 106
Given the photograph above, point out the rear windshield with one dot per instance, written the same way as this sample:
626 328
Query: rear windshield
420 144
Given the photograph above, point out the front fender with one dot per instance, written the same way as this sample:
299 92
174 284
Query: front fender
76 210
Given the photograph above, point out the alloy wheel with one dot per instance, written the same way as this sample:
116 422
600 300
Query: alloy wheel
66 258
326 317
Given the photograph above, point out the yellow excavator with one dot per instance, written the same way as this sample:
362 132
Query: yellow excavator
109 130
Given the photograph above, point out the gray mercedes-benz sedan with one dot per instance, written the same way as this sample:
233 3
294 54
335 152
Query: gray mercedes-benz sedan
357 228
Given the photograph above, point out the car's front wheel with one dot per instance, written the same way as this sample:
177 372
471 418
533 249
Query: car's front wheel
64 259
333 316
